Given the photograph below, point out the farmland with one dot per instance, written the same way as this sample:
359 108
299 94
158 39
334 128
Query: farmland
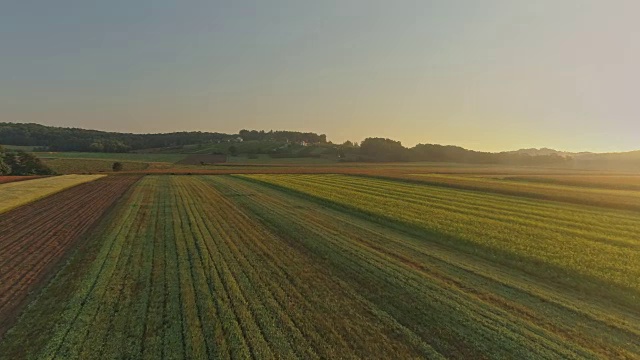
29 249
14 194
87 162
326 266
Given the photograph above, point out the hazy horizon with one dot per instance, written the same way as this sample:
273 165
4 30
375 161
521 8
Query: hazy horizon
490 76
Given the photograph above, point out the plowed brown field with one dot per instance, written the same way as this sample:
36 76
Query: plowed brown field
35 237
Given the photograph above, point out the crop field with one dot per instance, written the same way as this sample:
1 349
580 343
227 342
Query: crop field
34 238
324 266
14 194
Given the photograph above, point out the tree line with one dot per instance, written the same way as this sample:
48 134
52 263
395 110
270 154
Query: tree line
74 139
21 163
290 136
51 138
387 150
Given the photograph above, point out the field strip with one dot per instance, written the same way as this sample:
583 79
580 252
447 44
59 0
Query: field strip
555 309
19 193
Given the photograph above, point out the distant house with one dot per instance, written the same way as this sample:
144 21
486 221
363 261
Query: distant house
304 143
239 139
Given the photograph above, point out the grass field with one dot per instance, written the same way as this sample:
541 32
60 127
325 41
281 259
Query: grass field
130 157
334 266
89 166
14 194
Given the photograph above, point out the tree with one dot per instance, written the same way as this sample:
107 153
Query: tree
22 163
4 168
117 166
379 149
233 151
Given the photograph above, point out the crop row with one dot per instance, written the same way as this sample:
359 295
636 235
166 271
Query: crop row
550 239
35 237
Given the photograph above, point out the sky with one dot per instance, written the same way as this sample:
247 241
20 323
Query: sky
487 75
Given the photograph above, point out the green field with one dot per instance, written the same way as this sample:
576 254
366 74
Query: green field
334 266
130 157
82 163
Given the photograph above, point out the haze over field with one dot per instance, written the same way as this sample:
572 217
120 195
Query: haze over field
491 75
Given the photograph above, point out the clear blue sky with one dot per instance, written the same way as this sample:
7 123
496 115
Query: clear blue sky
487 75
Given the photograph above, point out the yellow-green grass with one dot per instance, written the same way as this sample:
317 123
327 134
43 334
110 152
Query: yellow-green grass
23 192
581 246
